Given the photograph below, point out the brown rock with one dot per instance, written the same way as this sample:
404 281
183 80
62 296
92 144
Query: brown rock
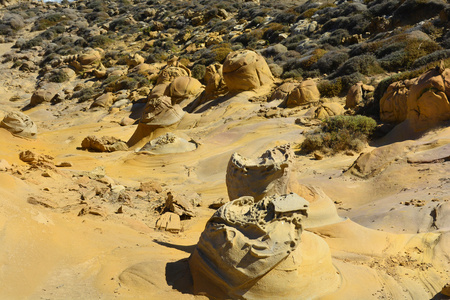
428 99
169 222
103 144
305 93
19 124
150 186
183 87
268 175
44 94
245 70
393 104
283 91
105 100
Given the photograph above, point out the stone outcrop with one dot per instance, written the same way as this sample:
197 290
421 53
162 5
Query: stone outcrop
103 144
305 93
215 85
158 113
357 93
248 248
44 94
326 110
182 88
19 124
246 70
88 61
282 92
172 70
393 104
428 99
267 175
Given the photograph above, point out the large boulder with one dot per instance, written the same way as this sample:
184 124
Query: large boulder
249 248
357 93
305 93
393 104
267 175
172 70
88 61
182 88
19 124
428 99
245 70
44 94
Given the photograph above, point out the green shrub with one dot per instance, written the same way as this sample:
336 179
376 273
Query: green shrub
198 71
221 51
58 76
48 21
330 88
340 133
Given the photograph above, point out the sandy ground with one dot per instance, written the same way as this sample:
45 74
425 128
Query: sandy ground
386 245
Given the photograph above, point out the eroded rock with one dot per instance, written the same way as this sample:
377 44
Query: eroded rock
245 70
267 175
103 144
19 124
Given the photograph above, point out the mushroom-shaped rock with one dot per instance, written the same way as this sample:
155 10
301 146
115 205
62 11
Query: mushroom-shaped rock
305 93
19 124
158 113
428 99
393 104
245 70
168 143
267 175
182 88
249 248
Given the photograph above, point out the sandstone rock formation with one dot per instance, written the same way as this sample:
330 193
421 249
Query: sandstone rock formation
305 93
215 84
266 176
169 222
428 99
248 248
245 70
357 93
88 61
19 124
172 70
182 88
158 113
393 104
326 110
44 94
283 91
103 144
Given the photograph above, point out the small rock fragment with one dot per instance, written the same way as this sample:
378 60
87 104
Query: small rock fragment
170 222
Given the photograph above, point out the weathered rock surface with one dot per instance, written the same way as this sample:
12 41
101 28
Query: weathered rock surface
169 222
326 110
182 88
103 144
245 70
250 247
305 93
428 99
44 94
393 104
19 124
265 176
357 93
